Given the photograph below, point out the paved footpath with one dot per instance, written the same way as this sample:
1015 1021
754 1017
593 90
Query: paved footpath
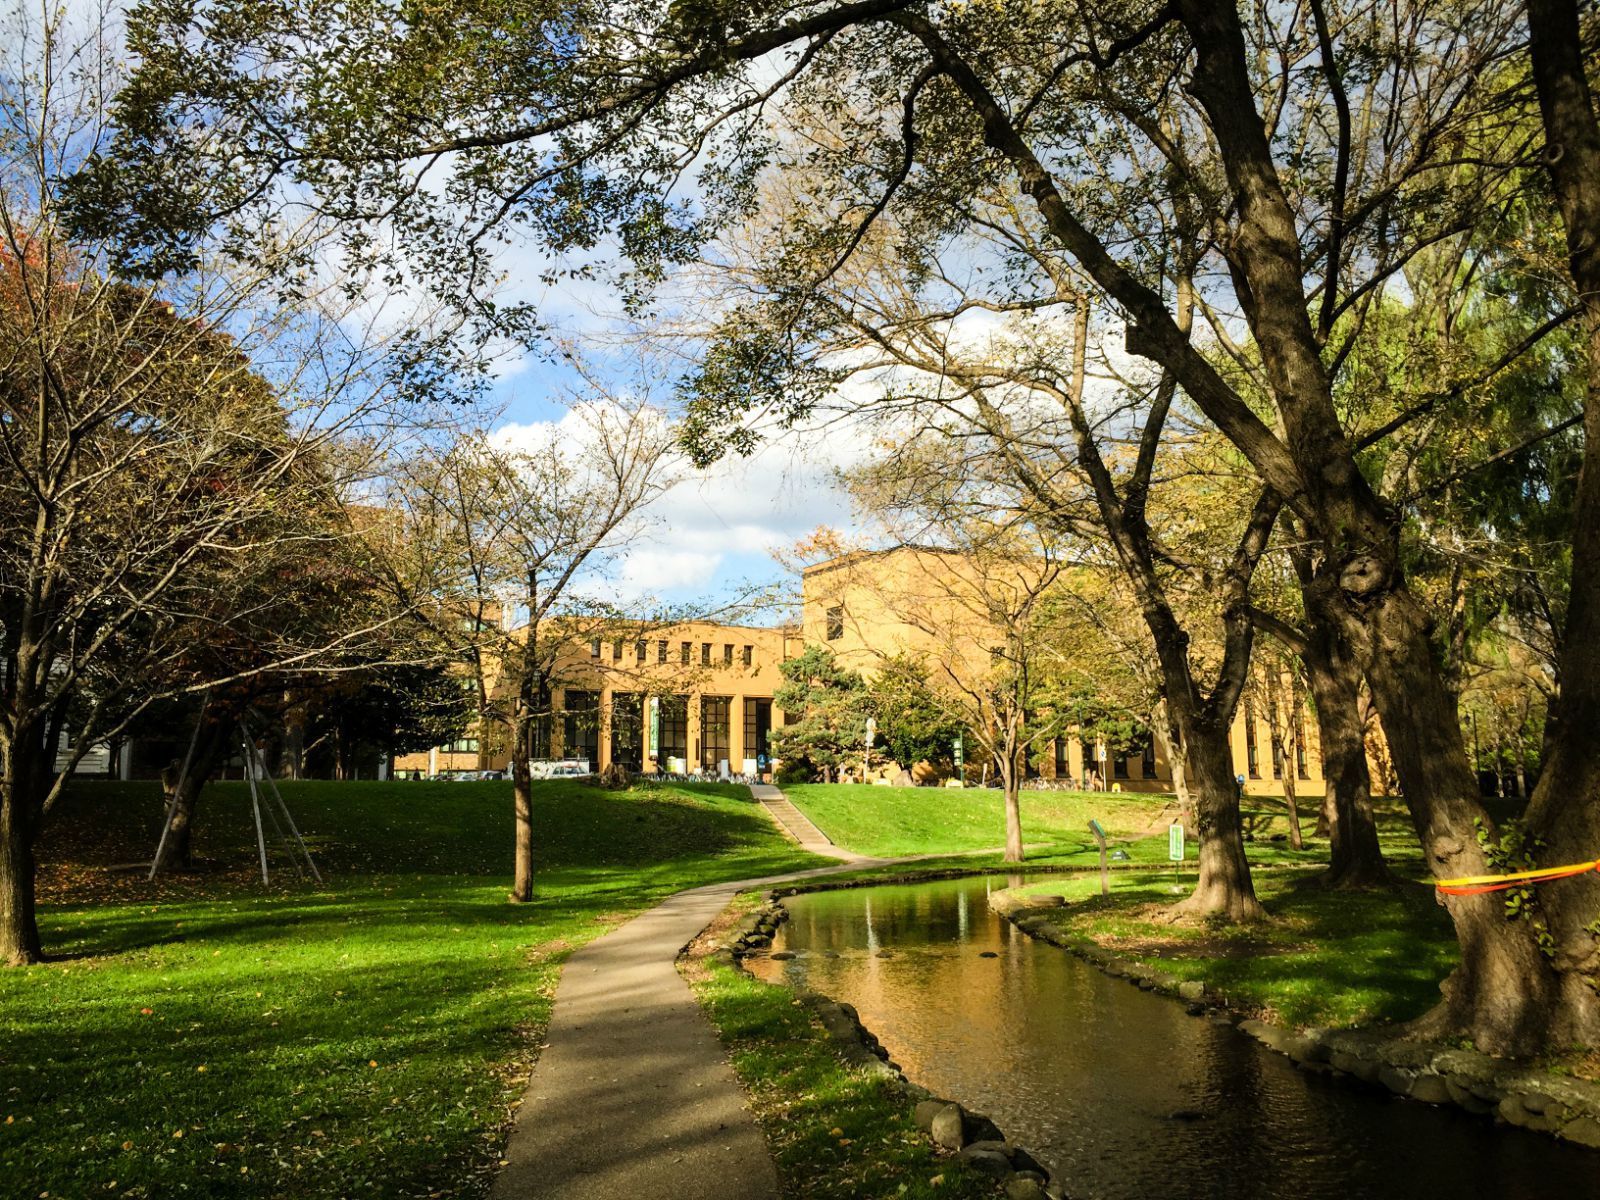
633 1096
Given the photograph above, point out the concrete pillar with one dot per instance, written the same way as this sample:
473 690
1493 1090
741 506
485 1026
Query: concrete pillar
603 751
736 734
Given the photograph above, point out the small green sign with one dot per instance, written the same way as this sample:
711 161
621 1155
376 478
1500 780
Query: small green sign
961 754
655 728
1175 841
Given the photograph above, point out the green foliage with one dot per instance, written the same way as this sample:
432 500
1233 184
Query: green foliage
914 725
364 1037
832 705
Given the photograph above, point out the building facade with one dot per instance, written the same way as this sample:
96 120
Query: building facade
926 602
680 698
699 696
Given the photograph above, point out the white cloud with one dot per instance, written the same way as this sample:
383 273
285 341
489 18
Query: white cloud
719 526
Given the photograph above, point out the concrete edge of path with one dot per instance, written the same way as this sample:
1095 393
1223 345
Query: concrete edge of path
633 1094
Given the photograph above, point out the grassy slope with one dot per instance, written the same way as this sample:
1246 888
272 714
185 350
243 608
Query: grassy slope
1326 958
889 821
1055 824
366 1037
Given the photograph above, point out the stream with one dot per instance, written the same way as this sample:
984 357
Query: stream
1119 1092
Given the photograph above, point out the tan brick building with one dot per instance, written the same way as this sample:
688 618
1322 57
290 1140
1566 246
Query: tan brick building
681 697
869 605
696 695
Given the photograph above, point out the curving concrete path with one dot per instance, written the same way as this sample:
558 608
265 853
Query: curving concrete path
633 1095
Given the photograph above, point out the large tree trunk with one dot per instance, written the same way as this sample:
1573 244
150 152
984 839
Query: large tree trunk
1172 748
1505 995
1225 887
522 807
1355 859
19 927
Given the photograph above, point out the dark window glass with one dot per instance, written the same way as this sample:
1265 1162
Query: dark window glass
836 622
616 650
674 728
1119 766
1301 767
594 648
727 653
1061 758
580 727
749 655
627 729
705 654
683 652
661 651
641 650
1149 764
713 730
1277 745
757 725
1252 754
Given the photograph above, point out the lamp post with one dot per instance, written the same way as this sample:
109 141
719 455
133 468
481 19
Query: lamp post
866 753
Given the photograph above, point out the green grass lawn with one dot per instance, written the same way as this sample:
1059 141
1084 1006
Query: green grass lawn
888 821
1326 958
206 1037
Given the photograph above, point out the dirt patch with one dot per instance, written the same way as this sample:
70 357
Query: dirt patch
1238 945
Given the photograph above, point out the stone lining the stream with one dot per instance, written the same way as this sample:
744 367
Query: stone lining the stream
1429 1072
971 1136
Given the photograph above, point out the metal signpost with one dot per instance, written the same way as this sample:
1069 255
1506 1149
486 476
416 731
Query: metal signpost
654 749
1105 871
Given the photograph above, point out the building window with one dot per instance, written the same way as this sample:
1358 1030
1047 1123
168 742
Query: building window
1061 758
713 730
836 622
627 730
683 653
749 655
580 731
462 746
1119 765
641 650
674 728
1277 745
661 651
705 654
594 648
757 725
616 650
1251 753
727 653
1148 766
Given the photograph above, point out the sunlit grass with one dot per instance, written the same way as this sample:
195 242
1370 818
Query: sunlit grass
367 1037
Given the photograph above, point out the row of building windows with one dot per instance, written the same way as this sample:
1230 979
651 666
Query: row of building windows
641 652
581 728
1302 766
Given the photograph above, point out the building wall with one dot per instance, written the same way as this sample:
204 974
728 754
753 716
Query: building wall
731 663
869 605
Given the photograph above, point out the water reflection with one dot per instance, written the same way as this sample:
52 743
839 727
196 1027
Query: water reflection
1120 1092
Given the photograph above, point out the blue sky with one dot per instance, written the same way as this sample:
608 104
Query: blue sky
711 537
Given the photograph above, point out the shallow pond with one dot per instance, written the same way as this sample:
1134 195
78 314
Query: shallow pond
1120 1092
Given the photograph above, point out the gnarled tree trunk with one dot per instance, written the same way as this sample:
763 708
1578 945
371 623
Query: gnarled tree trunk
1225 887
